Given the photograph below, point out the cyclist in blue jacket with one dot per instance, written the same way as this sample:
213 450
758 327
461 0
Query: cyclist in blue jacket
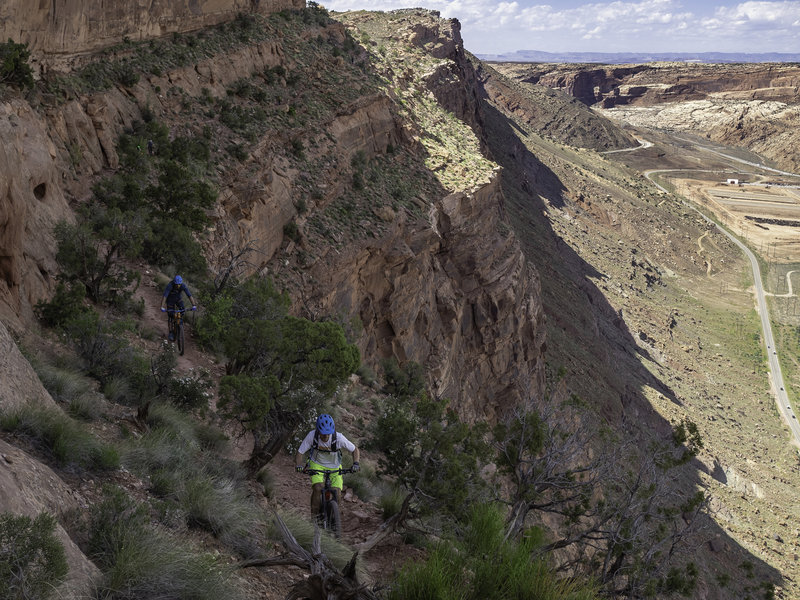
172 300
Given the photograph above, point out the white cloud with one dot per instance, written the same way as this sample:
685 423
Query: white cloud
619 25
761 12
769 26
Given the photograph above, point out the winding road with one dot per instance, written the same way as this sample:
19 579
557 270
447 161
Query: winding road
776 376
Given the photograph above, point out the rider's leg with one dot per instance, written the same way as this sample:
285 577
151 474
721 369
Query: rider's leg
316 492
170 317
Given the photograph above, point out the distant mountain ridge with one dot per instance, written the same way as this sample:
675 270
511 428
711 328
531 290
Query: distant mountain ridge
638 57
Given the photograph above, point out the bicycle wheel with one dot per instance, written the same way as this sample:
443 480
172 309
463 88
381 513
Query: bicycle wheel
334 520
179 338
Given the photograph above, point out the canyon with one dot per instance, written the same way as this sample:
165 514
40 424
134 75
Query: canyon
469 216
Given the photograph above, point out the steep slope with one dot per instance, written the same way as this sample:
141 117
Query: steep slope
352 173
649 312
553 114
291 153
370 203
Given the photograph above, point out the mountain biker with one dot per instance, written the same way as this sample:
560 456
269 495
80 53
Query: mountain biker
171 299
325 445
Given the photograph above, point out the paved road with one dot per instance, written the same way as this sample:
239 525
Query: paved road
776 377
642 144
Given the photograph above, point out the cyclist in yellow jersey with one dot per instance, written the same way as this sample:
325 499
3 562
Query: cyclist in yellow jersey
324 446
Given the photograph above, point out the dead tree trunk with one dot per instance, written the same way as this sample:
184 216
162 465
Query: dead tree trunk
326 582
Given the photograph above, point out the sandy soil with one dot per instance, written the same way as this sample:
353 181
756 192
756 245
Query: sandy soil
767 217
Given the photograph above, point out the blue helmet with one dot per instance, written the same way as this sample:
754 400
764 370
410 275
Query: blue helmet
178 279
325 424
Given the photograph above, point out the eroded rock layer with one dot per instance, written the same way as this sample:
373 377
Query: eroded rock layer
76 26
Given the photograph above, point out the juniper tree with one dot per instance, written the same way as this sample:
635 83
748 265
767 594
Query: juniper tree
625 510
279 367
434 455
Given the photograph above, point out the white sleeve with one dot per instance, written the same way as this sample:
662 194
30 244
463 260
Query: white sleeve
343 442
307 442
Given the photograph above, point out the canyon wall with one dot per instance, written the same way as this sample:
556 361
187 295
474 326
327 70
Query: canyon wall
656 83
63 27
451 291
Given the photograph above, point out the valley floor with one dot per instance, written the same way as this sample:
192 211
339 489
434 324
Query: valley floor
714 356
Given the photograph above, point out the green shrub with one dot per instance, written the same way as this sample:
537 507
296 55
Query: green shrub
70 388
207 490
366 483
87 407
14 67
66 304
238 151
191 391
267 481
188 150
108 357
181 253
140 561
358 180
407 381
483 565
68 441
126 74
211 437
223 507
177 423
366 374
180 196
116 389
92 251
64 385
32 559
297 148
392 502
291 231
427 448
316 8
159 452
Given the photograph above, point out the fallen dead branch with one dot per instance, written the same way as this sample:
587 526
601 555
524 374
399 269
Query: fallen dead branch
326 582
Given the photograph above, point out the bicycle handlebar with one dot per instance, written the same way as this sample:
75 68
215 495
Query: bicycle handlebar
339 471
177 310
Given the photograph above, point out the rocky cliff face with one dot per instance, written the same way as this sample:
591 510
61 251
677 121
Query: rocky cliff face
450 288
56 30
555 115
443 283
28 487
645 85
31 202
452 292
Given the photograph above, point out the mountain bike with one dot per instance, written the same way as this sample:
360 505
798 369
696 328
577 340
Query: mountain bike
175 326
329 515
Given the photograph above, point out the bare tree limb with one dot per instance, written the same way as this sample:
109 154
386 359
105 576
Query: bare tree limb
326 582
388 527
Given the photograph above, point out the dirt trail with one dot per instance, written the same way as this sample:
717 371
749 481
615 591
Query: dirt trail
702 251
290 490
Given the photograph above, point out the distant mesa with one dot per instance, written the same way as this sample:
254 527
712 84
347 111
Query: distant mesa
617 58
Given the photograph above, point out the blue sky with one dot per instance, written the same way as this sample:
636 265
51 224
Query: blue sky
618 26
